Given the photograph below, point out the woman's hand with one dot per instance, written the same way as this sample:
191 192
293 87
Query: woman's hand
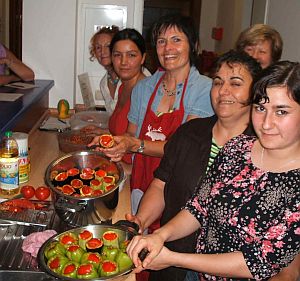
153 243
135 219
162 260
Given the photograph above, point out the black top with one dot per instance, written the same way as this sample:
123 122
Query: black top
182 167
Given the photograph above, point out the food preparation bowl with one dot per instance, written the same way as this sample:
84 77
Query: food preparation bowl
125 231
81 211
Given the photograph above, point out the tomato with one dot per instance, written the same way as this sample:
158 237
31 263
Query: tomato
27 191
42 193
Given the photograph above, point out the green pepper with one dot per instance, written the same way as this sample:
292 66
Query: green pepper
111 238
57 262
54 248
109 253
123 260
93 258
74 253
108 268
68 239
86 271
70 269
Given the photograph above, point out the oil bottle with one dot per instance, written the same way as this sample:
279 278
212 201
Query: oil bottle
9 166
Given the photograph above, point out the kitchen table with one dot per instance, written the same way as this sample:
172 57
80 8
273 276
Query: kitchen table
43 149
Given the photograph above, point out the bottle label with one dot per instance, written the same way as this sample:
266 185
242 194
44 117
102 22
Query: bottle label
9 173
23 169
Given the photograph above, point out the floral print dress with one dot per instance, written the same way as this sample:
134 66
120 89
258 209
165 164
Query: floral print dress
243 208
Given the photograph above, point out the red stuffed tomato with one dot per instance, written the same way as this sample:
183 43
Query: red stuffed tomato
27 191
42 193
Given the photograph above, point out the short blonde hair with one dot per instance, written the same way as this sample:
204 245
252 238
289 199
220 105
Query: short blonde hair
111 30
261 32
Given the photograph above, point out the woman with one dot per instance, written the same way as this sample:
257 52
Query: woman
128 51
198 141
174 94
262 42
248 204
12 69
99 49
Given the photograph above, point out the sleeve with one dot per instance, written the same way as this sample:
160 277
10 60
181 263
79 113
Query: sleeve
168 161
275 247
198 204
135 104
199 102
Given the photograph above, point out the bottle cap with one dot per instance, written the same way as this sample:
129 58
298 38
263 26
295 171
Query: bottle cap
8 134
22 141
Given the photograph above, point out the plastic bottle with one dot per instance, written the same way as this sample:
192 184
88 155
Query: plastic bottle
24 161
9 166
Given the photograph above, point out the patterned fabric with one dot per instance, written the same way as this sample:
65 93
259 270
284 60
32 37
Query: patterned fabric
243 208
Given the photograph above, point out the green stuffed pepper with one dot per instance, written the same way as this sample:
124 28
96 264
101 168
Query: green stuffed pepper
74 253
94 258
123 260
57 262
54 248
109 253
108 268
70 269
86 271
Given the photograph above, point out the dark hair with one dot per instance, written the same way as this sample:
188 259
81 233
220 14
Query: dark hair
281 74
236 57
110 30
129 34
182 23
260 32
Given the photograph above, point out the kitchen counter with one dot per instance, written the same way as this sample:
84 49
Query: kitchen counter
25 112
43 150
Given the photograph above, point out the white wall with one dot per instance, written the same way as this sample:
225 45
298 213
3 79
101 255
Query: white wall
284 17
208 20
49 42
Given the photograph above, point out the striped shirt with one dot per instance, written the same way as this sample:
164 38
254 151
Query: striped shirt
214 150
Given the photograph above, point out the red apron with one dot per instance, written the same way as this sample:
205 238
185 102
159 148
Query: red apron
154 128
118 122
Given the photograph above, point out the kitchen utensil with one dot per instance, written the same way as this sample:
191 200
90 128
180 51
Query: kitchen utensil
80 211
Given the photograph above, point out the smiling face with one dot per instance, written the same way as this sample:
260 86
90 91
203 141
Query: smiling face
102 53
276 123
127 59
262 52
230 91
173 49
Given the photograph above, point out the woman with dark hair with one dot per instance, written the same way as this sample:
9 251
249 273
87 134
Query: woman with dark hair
192 149
174 94
128 52
246 209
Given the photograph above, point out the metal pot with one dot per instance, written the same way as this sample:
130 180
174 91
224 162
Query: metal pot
126 230
78 211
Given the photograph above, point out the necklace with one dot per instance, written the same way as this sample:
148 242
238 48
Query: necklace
112 81
169 93
280 167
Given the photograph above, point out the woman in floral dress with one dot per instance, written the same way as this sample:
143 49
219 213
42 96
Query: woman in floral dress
248 205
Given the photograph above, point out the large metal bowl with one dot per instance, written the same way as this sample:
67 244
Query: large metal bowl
125 232
79 211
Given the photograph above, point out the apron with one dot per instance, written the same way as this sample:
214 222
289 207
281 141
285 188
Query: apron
118 122
153 128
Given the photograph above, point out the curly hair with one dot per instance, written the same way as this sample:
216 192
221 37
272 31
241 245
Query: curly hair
111 30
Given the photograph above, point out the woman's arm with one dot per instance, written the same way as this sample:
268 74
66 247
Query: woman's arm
151 205
19 69
225 265
290 273
180 226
